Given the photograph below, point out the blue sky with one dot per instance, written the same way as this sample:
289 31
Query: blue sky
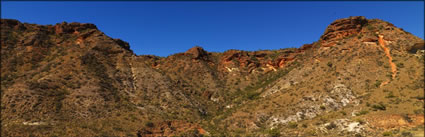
165 28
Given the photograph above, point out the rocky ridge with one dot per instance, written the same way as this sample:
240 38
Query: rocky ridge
73 75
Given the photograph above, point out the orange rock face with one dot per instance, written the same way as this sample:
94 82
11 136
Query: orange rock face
342 28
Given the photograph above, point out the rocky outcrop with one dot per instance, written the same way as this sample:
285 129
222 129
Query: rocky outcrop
344 125
123 44
11 23
197 52
342 28
66 28
312 106
416 47
249 61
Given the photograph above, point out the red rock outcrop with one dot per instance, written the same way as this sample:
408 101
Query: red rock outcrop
248 61
75 28
342 28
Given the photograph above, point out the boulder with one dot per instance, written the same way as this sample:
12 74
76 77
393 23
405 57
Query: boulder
196 52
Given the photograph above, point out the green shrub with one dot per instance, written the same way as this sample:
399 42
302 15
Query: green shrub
379 106
387 133
390 95
378 83
363 112
274 132
252 95
361 121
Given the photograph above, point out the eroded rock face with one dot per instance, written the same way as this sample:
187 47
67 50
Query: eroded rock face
64 27
313 106
15 24
197 52
342 28
123 44
249 61
416 47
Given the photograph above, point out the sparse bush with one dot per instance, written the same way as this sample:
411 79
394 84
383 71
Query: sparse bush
370 27
329 64
387 133
379 106
311 133
252 95
390 95
380 63
361 121
381 27
367 104
418 111
292 124
363 112
406 134
149 124
420 98
400 65
274 132
378 83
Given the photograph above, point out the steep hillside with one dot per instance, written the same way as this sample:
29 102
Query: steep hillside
363 77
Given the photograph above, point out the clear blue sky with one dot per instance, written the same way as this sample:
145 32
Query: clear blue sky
164 28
